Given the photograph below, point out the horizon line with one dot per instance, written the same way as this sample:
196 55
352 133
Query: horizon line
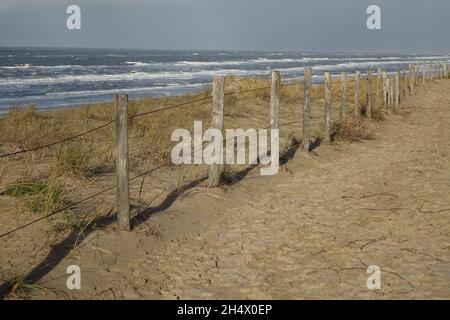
226 50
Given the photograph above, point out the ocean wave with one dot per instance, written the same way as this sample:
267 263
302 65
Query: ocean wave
180 75
58 67
130 76
22 66
246 62
138 63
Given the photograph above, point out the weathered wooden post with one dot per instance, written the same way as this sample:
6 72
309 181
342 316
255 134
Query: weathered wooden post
424 72
445 71
388 88
123 184
379 91
357 110
307 108
215 169
416 73
369 95
441 72
405 84
430 75
342 106
385 91
411 79
392 91
328 97
275 99
397 89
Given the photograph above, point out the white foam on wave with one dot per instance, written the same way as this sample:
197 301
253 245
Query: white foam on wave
245 62
130 76
138 63
58 67
23 66
180 75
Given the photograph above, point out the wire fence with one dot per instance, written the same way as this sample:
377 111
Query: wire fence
390 91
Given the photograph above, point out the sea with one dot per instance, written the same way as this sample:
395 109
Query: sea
63 77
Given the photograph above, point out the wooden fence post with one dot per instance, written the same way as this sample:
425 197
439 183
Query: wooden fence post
424 72
275 99
430 74
343 96
328 88
411 79
389 94
397 89
441 72
445 71
123 183
385 91
392 82
369 95
357 110
215 169
379 91
307 108
405 84
416 72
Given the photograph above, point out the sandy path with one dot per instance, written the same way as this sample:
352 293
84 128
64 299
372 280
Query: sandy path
309 232
312 235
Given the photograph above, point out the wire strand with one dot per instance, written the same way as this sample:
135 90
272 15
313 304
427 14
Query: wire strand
57 211
169 108
56 142
81 201
245 91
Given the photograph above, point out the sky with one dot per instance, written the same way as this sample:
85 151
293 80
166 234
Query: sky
408 26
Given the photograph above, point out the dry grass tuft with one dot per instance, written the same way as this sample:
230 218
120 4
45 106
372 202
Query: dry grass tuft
72 160
354 129
22 289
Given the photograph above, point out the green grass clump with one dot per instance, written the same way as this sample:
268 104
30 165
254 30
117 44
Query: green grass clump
39 196
23 189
